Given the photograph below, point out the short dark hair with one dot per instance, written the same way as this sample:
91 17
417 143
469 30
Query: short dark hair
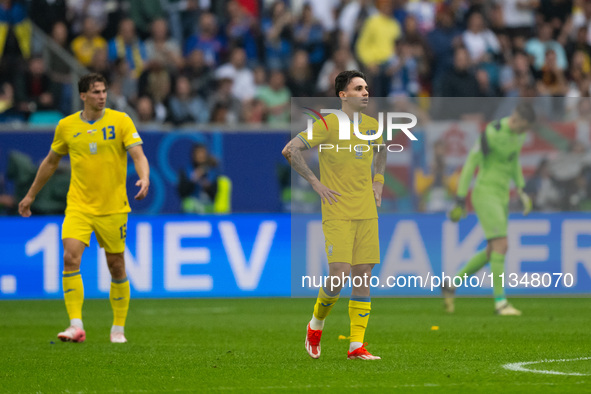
86 82
526 112
344 78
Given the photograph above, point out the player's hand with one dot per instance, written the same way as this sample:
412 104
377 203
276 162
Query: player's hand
325 193
458 211
377 192
24 207
526 201
144 186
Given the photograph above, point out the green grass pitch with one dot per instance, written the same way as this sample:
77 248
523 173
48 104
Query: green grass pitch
248 345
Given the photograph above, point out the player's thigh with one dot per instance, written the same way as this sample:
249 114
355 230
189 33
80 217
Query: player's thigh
338 240
492 215
111 231
77 225
366 247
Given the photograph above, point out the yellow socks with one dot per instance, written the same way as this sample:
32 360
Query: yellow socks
359 309
119 298
73 294
324 304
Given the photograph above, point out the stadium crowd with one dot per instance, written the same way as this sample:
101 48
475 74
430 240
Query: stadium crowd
235 61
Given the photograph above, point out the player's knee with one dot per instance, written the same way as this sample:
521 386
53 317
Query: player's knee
116 264
71 261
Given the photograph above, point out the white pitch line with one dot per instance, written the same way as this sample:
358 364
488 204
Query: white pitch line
519 367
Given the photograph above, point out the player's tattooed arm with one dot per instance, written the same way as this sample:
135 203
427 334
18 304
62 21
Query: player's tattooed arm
380 160
293 153
380 168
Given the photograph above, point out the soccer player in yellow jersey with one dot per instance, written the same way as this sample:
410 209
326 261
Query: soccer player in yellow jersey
97 140
349 214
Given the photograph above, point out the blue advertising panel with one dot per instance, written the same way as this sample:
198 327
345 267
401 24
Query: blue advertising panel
283 255
548 254
166 256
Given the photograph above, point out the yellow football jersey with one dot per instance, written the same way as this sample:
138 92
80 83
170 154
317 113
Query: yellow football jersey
98 155
346 167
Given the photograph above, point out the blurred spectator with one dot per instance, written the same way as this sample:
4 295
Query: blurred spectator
375 46
79 10
15 40
243 86
59 71
185 108
225 108
156 82
579 44
352 17
145 109
516 74
436 189
100 64
240 30
127 46
309 36
341 61
566 169
557 12
300 80
260 77
7 111
276 98
206 40
552 81
144 13
201 187
442 41
325 12
519 16
419 50
253 112
88 43
538 46
46 13
278 36
542 189
199 73
123 85
33 88
423 11
182 15
403 71
459 81
159 45
481 43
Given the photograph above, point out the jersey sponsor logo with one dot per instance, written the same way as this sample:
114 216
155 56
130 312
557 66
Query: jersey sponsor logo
93 148
77 134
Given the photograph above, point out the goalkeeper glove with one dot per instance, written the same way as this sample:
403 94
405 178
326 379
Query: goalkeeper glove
526 201
458 211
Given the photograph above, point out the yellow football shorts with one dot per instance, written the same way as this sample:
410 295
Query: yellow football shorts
352 241
110 230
